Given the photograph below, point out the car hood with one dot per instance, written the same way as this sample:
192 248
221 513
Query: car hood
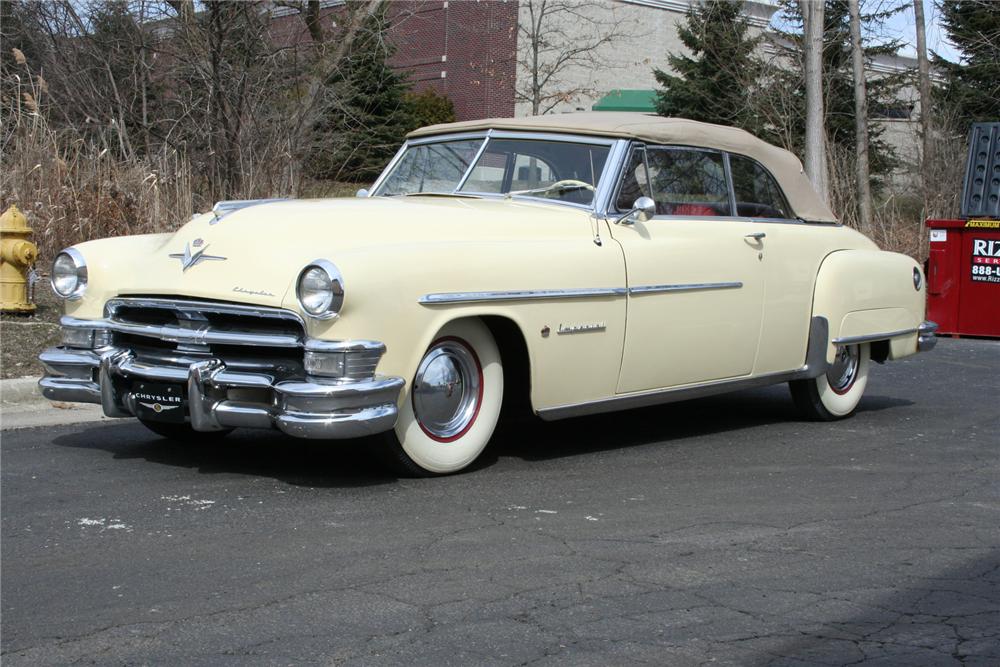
254 255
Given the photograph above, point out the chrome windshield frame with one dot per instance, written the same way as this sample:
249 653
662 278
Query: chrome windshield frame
605 185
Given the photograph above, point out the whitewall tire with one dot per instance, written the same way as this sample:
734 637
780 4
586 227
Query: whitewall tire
836 393
452 404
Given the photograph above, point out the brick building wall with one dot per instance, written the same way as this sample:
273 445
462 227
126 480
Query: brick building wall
463 49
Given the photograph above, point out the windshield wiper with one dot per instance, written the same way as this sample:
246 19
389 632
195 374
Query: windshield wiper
438 194
558 185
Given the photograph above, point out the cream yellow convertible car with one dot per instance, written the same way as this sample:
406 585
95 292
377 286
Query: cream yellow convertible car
585 263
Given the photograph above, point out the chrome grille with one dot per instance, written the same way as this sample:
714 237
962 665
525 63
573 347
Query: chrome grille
192 324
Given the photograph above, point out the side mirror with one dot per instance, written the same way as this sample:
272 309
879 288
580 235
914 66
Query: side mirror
361 193
643 209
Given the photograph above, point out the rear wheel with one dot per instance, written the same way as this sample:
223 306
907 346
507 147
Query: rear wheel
836 393
453 404
183 432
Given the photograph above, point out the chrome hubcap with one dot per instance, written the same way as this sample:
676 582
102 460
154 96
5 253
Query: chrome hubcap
844 368
446 390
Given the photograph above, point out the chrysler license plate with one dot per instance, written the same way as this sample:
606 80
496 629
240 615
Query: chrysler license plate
158 402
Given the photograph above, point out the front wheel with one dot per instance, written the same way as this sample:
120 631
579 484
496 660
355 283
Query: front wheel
836 393
453 404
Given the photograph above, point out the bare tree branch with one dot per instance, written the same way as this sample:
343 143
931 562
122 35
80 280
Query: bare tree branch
562 36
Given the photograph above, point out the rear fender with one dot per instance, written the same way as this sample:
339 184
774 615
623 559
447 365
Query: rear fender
871 295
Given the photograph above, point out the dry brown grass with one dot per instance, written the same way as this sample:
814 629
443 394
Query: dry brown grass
902 206
73 189
23 337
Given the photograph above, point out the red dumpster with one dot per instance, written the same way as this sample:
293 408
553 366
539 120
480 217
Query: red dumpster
963 277
963 269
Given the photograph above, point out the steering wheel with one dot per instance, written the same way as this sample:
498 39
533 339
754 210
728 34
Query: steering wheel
568 184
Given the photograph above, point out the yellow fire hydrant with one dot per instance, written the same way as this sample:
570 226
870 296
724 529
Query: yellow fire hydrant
17 254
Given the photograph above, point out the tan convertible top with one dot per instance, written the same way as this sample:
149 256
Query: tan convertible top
675 131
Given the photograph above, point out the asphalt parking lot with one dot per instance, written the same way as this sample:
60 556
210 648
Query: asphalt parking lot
720 530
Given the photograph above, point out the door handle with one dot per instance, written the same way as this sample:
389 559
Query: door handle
756 236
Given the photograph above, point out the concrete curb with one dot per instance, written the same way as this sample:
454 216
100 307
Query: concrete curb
16 391
23 406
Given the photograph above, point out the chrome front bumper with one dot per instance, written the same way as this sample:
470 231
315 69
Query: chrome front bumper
219 399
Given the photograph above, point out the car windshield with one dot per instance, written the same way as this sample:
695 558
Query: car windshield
563 171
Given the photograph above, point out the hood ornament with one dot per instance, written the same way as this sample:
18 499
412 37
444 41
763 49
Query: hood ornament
189 259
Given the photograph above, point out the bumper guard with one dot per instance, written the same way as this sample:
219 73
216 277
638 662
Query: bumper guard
926 340
306 408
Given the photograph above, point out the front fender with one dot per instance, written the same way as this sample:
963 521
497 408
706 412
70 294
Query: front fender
871 294
384 288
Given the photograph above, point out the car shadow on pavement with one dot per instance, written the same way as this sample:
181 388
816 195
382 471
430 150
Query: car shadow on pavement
534 439
339 463
352 463
950 618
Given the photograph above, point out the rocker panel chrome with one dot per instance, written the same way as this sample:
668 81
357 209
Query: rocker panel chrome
814 366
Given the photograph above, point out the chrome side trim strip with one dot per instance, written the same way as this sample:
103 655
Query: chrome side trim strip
869 338
689 287
814 366
443 298
440 298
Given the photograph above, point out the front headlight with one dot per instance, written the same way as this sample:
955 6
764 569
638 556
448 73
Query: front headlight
320 290
69 274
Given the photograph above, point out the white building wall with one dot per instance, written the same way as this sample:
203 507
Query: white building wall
651 36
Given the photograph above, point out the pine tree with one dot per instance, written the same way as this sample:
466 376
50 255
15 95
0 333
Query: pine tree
369 117
972 86
429 108
711 84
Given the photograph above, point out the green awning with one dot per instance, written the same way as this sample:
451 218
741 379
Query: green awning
627 100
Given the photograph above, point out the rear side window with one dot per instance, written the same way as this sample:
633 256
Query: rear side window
687 182
757 193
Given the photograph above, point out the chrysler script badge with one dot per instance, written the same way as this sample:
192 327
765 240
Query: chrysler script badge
189 259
